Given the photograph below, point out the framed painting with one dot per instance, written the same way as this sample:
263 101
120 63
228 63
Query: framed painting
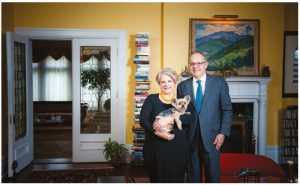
227 44
290 65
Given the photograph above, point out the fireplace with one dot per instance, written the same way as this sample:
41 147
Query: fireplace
252 90
242 138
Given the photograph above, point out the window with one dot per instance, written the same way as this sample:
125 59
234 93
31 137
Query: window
52 80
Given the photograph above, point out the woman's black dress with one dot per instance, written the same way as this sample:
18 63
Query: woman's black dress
165 161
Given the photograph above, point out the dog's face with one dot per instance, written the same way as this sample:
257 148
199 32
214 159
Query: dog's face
181 104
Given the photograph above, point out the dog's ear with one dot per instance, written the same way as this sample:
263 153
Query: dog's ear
188 98
173 102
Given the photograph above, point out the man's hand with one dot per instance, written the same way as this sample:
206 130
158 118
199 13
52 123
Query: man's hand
164 135
164 122
219 141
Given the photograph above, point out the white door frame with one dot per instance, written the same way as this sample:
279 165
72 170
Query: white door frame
69 34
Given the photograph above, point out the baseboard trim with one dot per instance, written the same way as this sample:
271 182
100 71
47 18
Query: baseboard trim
275 153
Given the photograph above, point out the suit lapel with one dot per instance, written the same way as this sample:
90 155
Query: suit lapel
190 90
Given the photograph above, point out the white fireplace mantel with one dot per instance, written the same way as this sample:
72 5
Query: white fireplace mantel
253 89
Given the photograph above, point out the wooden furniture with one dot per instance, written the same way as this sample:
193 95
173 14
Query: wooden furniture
237 141
242 123
290 134
44 110
55 121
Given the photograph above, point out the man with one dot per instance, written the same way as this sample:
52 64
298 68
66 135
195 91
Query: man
212 111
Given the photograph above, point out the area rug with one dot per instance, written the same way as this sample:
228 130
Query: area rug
68 176
76 176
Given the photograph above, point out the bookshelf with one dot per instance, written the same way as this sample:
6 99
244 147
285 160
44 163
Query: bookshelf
142 86
290 134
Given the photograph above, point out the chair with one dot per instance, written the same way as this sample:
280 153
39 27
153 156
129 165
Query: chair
232 163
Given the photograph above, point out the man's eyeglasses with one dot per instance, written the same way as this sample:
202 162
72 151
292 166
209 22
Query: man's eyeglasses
197 64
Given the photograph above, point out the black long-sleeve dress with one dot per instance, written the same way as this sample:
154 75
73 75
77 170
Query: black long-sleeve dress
165 161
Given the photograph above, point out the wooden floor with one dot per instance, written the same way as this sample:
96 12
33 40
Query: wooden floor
53 141
66 164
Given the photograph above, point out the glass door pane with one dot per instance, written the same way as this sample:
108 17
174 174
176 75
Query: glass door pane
20 90
95 70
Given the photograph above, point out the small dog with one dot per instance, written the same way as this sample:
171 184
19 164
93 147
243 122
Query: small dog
179 108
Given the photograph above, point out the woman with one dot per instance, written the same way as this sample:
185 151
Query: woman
165 154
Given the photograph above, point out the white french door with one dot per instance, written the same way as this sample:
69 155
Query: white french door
94 124
19 84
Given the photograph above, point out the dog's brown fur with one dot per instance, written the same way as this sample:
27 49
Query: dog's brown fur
179 108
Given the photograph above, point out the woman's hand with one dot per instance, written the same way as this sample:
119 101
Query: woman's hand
164 135
164 123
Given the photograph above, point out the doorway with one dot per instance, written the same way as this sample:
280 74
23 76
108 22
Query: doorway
91 144
52 99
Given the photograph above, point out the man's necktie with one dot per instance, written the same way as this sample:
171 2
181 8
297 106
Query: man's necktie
198 96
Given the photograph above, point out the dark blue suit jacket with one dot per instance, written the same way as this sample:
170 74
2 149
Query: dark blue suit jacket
216 111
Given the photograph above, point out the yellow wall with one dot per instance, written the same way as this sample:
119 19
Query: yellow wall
168 25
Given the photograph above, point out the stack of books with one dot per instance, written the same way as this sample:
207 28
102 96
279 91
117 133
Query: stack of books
142 86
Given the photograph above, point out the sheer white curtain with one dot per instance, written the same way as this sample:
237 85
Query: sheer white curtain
35 81
52 80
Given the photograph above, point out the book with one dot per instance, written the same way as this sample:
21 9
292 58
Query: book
143 66
143 50
141 78
137 154
141 62
137 148
137 126
141 73
141 58
141 91
138 144
135 130
140 135
143 82
142 34
142 86
139 104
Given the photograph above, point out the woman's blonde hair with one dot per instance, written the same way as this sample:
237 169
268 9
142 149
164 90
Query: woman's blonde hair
169 72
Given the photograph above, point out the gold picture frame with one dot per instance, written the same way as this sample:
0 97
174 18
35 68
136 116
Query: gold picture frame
227 44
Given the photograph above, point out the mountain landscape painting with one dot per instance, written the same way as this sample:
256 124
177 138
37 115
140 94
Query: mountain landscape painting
227 45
